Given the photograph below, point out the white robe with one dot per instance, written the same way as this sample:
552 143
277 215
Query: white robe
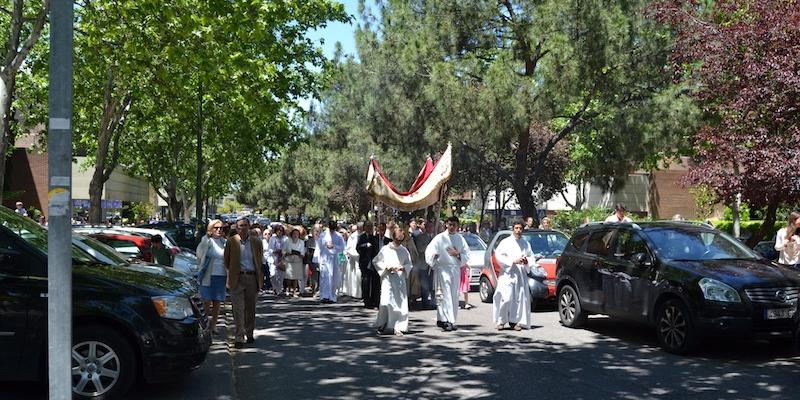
329 272
447 272
393 306
512 298
351 285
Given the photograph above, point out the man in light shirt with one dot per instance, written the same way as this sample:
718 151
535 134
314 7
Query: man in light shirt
619 214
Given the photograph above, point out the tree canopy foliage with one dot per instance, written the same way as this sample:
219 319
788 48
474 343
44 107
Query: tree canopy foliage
743 59
529 93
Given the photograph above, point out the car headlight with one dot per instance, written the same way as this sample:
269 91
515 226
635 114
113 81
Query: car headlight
718 291
173 307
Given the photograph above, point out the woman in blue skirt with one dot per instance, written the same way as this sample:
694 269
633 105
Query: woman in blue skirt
213 274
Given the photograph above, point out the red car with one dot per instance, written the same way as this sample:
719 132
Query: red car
545 243
131 246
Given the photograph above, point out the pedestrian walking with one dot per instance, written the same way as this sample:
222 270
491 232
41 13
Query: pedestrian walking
330 245
293 251
213 274
352 273
446 253
243 258
393 264
619 214
20 209
367 247
787 241
421 268
511 302
313 251
275 259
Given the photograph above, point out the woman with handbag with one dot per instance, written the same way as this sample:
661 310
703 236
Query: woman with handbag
293 251
212 275
512 297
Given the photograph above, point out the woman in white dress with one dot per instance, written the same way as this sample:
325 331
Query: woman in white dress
293 251
393 263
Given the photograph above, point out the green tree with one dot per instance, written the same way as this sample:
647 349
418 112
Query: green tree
22 26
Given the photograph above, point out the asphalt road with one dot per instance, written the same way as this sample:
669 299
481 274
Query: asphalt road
304 350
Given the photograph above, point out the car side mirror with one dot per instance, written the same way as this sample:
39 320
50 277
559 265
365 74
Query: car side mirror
641 260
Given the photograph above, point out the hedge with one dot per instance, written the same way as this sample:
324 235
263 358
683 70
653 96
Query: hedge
749 228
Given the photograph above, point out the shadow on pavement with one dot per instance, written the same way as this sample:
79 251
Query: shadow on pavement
305 350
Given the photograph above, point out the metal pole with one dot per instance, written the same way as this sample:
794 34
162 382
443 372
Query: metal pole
59 158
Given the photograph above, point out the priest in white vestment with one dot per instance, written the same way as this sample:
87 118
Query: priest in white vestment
393 264
330 245
512 297
446 253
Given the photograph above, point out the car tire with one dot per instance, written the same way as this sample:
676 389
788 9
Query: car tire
570 311
103 364
485 289
675 328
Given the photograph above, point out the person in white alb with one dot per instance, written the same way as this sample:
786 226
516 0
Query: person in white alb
330 244
275 259
393 264
619 214
351 281
446 253
787 241
512 298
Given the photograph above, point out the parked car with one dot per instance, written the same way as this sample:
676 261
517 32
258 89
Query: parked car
126 324
107 255
546 245
477 251
131 246
767 250
689 281
183 235
184 261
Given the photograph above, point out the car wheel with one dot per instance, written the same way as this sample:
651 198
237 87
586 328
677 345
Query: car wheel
569 308
486 290
103 364
675 328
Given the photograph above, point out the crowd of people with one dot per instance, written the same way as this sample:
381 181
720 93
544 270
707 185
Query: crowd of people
392 267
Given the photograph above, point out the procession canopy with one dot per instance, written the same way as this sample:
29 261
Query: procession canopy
424 192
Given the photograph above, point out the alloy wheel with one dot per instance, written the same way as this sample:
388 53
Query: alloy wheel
673 327
567 306
95 368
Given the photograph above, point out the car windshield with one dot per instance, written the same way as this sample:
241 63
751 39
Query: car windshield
546 243
35 235
696 245
103 249
474 243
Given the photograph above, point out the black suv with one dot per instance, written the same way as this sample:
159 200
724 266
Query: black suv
126 323
688 280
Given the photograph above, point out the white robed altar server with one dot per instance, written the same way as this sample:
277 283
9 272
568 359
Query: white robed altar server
512 297
351 286
393 264
330 244
446 253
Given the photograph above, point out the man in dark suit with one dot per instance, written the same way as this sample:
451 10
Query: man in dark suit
367 248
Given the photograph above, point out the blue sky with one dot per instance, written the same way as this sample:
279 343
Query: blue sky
338 32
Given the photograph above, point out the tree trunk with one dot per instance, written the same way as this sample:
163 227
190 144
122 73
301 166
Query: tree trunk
198 195
6 92
769 223
527 202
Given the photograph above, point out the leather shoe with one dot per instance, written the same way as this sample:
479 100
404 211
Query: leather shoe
448 327
440 324
238 345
